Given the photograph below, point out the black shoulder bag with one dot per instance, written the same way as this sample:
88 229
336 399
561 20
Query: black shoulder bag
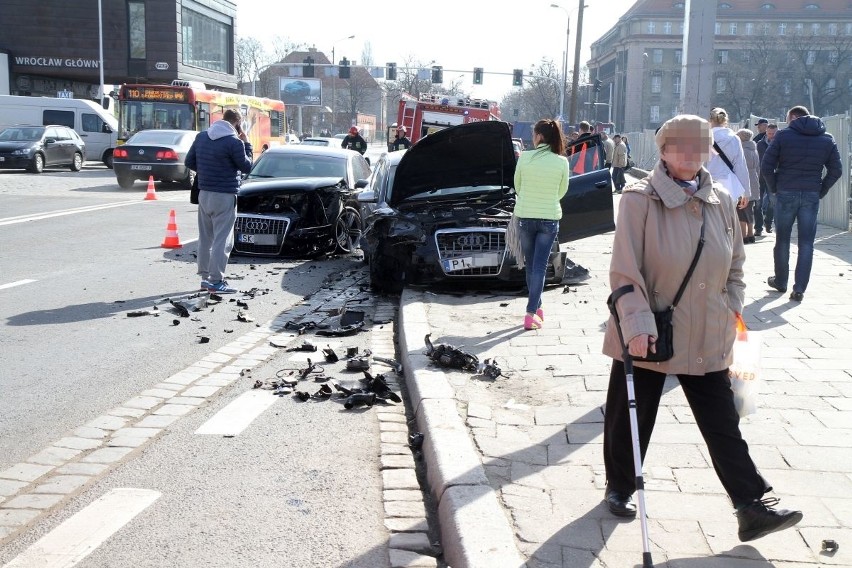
664 346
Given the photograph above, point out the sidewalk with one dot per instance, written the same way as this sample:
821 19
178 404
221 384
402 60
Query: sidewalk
516 463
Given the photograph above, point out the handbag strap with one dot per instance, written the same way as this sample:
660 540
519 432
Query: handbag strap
694 258
723 156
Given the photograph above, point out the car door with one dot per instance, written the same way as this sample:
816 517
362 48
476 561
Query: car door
53 150
587 208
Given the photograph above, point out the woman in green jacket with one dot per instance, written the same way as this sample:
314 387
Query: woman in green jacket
541 180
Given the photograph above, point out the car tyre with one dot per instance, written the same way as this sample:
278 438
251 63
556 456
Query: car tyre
38 164
108 159
126 182
347 230
77 163
189 179
387 269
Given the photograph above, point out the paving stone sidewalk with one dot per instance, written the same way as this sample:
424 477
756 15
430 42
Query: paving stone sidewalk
537 431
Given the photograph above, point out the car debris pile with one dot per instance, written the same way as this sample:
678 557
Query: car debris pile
452 357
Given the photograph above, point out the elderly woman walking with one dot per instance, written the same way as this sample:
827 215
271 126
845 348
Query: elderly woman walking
752 161
661 221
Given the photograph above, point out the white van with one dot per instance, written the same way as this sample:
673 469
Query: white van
97 127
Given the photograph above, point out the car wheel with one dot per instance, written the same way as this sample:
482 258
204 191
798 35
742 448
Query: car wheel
347 230
126 182
108 159
38 164
189 179
387 269
77 164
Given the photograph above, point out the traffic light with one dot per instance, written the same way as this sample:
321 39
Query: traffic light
308 69
598 85
518 77
477 75
391 71
437 74
343 71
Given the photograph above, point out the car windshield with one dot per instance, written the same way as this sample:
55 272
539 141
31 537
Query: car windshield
157 137
21 134
294 165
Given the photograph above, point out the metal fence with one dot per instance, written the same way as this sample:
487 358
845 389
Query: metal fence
834 209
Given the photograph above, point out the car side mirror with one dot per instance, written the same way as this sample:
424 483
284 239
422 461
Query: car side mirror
361 184
106 129
368 196
50 140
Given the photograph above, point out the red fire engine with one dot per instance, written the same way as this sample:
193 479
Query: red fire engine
433 112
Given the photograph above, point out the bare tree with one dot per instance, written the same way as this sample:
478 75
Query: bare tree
249 57
538 97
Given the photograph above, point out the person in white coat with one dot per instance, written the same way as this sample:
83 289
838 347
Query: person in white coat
734 177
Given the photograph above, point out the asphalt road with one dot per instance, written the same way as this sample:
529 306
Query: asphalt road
299 486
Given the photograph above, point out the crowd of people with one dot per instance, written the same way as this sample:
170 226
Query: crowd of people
683 230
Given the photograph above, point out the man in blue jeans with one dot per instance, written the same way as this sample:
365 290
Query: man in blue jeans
792 167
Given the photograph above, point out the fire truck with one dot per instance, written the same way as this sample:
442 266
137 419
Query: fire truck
433 112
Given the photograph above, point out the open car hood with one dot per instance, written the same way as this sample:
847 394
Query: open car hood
260 186
474 154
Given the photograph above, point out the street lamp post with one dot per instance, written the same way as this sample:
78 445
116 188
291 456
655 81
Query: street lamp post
101 54
334 79
575 80
564 61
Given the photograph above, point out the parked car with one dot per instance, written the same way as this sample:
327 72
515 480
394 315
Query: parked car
322 141
299 201
158 153
438 213
34 148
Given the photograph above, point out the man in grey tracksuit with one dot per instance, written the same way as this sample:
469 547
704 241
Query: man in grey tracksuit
218 155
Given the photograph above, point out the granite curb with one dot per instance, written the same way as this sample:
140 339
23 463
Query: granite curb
475 531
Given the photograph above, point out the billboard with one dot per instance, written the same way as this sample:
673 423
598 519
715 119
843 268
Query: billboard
301 91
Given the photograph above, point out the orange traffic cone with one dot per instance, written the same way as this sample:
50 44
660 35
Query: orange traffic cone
172 240
151 193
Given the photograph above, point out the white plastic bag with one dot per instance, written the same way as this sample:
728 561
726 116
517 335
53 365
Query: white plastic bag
745 372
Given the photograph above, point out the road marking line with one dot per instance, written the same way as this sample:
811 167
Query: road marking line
60 213
17 283
238 414
77 537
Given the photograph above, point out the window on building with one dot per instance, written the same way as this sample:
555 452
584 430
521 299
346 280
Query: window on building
732 28
722 56
667 28
725 6
718 29
849 28
833 56
832 29
746 56
831 86
721 85
812 7
136 27
787 86
676 83
749 28
678 56
207 40
764 28
815 28
652 27
680 28
849 85
658 56
810 59
654 115
678 5
800 28
656 83
767 6
782 29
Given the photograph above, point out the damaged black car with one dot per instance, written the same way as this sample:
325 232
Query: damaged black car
439 212
301 202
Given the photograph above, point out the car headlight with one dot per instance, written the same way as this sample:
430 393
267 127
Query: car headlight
21 152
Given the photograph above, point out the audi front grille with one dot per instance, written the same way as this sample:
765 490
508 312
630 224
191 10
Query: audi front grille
487 248
259 234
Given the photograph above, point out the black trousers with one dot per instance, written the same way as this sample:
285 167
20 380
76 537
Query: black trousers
712 404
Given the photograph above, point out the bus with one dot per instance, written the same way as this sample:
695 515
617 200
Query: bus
188 106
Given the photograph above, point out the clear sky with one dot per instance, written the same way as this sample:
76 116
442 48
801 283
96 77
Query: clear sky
497 36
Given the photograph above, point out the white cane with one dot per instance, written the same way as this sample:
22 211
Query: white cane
634 426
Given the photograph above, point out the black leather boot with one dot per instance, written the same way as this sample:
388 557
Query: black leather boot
759 518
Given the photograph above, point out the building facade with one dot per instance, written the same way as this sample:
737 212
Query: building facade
53 45
768 56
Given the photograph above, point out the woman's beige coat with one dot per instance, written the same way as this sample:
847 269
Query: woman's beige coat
655 239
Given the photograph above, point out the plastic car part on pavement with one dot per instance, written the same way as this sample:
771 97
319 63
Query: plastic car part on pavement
451 357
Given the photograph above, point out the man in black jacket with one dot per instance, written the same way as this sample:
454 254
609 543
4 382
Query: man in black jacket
354 141
792 166
764 213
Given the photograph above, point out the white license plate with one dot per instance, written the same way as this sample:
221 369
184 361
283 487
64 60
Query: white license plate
251 239
137 167
468 262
